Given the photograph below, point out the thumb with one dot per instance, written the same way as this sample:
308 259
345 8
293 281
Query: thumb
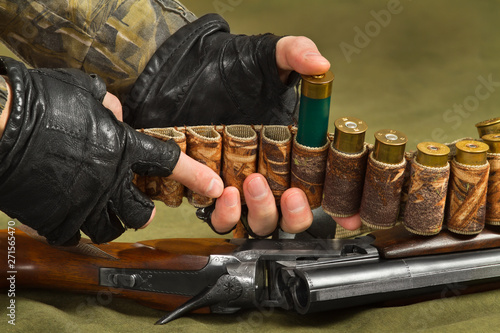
197 177
300 54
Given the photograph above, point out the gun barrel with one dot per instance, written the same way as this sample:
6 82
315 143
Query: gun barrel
328 288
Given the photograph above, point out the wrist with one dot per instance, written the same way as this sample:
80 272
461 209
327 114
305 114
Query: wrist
5 102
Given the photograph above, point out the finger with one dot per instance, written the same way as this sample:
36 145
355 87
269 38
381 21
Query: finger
133 207
297 215
227 210
299 54
197 177
149 156
156 158
153 213
103 226
112 103
262 211
349 223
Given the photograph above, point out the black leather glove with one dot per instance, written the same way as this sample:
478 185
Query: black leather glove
204 75
66 162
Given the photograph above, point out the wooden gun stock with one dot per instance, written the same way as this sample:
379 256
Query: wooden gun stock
76 269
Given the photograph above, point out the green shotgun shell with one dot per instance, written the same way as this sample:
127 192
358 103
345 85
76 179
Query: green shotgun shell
488 127
349 135
493 141
314 109
389 146
432 154
471 152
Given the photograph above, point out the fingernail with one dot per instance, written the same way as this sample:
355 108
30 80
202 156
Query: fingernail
257 189
295 203
214 189
231 200
314 56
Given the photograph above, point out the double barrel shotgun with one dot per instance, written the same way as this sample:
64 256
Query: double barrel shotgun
217 275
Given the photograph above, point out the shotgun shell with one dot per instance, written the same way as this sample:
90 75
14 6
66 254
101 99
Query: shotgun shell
470 152
466 207
493 141
389 146
432 154
488 127
346 168
493 194
429 174
349 135
384 180
314 109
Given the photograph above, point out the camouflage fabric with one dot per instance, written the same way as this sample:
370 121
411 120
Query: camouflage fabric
4 94
112 38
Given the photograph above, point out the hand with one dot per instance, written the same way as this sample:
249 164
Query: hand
263 214
67 163
262 211
298 54
237 73
223 64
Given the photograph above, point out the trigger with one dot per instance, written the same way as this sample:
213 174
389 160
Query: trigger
227 288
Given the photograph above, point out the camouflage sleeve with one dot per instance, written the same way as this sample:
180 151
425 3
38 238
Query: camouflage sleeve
4 94
114 39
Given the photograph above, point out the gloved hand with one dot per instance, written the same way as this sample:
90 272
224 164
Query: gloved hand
203 75
66 162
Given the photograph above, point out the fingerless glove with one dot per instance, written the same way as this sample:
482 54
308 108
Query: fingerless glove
203 75
66 162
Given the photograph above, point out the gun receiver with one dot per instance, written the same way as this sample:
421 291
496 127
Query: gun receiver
223 276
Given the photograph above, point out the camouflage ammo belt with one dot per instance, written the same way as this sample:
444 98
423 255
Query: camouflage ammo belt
464 197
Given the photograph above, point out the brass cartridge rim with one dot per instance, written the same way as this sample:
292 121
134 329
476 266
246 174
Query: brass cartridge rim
470 152
432 154
389 146
349 135
317 86
493 141
488 126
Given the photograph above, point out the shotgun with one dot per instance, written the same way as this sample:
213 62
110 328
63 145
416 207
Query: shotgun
225 275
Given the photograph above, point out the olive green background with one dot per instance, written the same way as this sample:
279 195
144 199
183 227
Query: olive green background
411 73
